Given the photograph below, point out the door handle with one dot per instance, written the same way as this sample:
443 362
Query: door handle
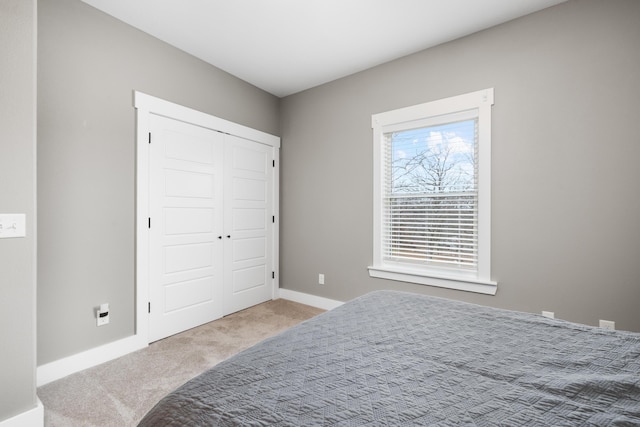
219 237
228 236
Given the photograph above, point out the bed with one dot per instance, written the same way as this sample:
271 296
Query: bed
390 359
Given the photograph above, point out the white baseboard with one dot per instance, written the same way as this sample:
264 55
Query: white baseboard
87 359
308 299
31 418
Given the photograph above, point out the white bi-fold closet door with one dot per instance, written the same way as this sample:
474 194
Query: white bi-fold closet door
211 224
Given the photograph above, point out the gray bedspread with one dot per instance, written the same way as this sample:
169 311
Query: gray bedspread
393 359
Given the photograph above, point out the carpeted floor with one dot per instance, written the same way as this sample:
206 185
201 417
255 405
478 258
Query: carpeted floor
120 392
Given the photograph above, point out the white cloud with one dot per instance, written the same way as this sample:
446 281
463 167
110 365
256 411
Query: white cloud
434 141
437 141
459 145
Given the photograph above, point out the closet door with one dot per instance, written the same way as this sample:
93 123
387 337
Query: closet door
186 226
248 222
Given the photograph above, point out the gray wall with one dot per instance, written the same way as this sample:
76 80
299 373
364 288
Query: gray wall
88 66
566 180
564 163
18 195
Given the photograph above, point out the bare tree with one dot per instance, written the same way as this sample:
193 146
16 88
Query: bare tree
432 171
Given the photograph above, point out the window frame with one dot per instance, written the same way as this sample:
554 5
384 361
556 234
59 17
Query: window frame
406 118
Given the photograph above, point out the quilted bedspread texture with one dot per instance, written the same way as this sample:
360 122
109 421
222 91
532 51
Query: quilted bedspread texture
395 359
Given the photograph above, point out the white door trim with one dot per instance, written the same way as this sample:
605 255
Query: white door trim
147 105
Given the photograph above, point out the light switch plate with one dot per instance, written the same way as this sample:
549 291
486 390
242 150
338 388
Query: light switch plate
12 225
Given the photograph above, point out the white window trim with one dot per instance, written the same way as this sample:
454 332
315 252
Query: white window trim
481 282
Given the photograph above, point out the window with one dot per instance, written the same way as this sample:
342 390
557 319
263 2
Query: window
432 193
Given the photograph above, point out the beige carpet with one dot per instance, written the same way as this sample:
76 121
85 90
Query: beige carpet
120 392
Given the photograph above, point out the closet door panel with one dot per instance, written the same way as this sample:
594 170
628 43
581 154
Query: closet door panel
186 188
248 221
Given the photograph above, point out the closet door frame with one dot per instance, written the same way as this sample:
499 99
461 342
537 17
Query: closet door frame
146 107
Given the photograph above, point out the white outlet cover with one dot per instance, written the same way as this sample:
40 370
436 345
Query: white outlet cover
609 325
101 321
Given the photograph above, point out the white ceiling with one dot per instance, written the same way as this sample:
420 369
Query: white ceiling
286 46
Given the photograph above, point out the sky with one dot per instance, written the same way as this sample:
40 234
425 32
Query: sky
449 146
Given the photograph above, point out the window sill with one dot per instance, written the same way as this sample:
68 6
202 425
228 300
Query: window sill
462 283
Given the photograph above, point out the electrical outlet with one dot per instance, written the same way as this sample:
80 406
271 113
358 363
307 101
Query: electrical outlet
102 315
609 325
321 279
549 314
